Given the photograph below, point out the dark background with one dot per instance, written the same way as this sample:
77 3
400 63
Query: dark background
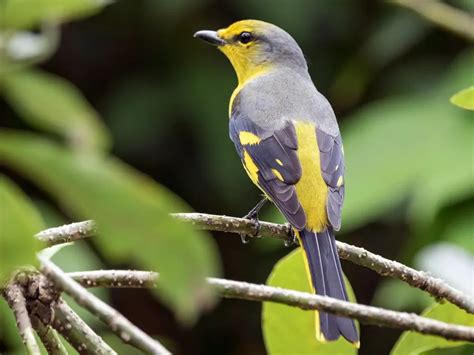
164 96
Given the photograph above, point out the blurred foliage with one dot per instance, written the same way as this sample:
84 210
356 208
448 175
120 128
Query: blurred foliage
411 343
54 105
289 330
130 209
25 14
388 146
464 98
18 223
132 83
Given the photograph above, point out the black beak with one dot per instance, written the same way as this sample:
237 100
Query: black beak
210 37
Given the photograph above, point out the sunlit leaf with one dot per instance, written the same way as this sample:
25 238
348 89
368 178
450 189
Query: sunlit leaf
289 330
30 13
49 102
412 343
464 98
19 222
132 215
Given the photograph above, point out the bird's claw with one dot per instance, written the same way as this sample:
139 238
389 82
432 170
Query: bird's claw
291 239
253 217
256 228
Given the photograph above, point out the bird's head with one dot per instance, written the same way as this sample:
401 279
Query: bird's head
255 46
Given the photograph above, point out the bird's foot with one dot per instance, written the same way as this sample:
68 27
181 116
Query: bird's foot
292 239
253 217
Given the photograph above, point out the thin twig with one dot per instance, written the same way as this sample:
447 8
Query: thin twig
303 300
16 300
120 325
49 337
67 233
443 15
77 332
385 267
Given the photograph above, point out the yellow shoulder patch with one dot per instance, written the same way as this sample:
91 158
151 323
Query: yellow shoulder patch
248 138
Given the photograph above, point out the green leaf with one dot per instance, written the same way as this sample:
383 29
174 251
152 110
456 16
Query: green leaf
51 103
9 334
289 330
19 222
131 211
30 13
411 343
464 98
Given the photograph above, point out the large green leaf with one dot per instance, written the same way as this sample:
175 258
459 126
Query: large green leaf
51 103
131 212
464 98
289 330
19 221
30 13
411 343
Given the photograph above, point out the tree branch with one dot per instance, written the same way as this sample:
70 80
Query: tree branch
303 300
120 325
385 267
67 233
16 300
49 337
442 15
77 332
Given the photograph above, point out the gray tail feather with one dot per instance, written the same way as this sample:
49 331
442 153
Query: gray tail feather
326 275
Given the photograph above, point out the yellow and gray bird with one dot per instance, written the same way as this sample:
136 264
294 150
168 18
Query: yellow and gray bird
288 139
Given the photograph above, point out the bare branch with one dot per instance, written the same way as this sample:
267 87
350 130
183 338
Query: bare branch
303 300
77 332
16 300
49 338
120 325
385 267
442 15
67 233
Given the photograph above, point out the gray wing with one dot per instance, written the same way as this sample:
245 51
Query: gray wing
331 155
278 166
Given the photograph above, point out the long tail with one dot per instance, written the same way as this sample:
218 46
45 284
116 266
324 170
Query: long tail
325 273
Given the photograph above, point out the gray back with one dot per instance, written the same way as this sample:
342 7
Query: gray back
283 94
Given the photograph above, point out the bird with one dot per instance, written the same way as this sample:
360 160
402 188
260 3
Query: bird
288 139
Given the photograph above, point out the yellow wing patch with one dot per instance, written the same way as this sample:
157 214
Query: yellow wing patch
277 174
311 190
248 138
251 168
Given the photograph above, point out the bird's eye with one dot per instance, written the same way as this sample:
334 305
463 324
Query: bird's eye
245 37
